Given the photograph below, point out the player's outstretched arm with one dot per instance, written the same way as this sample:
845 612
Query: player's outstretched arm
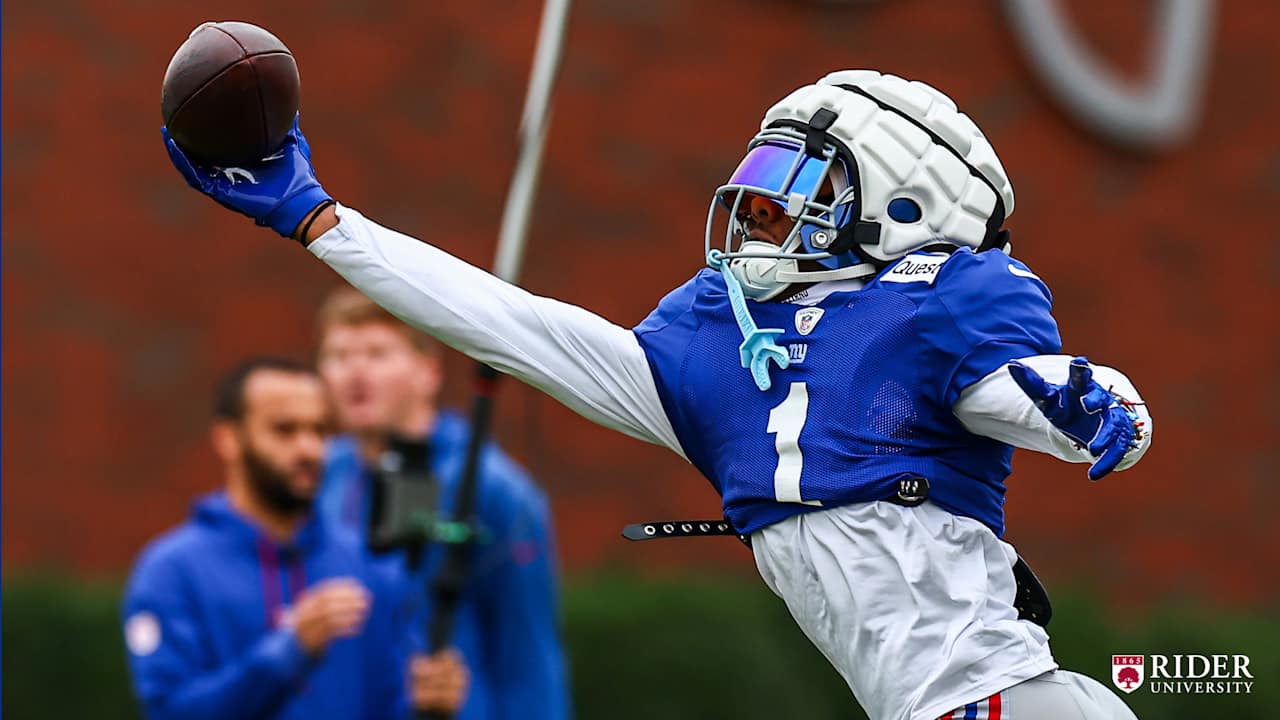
1048 403
593 366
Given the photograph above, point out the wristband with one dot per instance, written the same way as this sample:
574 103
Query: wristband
302 236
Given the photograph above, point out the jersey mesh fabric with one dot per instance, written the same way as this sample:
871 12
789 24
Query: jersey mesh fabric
891 416
859 427
879 370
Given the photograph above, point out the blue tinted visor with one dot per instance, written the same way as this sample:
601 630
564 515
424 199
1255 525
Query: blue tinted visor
817 194
776 170
813 191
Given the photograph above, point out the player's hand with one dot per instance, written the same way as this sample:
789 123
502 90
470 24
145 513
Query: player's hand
328 610
277 191
438 682
1084 411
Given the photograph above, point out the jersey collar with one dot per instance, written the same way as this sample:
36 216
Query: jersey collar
819 292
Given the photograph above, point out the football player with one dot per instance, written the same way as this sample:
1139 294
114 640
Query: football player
851 372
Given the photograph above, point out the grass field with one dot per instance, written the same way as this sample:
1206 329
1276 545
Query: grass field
706 648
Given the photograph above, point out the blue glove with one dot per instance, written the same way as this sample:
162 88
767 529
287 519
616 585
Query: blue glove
1084 411
277 192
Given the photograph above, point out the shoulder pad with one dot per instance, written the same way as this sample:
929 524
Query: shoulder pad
963 273
988 270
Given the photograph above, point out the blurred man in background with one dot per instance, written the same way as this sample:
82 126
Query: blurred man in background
384 377
258 608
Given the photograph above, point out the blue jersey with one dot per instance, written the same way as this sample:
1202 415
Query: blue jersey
205 626
867 398
507 627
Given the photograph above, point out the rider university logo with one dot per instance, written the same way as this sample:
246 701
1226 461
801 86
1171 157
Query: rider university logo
1127 672
1218 674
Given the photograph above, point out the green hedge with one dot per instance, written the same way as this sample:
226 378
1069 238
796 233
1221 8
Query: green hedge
682 648
63 655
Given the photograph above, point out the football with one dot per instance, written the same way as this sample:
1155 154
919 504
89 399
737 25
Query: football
230 94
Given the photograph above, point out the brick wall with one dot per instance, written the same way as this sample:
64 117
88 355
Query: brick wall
124 293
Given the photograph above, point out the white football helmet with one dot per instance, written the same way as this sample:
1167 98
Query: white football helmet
870 167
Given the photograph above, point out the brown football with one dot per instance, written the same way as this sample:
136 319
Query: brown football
230 94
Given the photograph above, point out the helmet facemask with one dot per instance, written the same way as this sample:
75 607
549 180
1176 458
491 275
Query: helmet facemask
813 189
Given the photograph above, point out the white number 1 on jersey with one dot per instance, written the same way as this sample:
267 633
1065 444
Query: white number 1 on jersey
787 420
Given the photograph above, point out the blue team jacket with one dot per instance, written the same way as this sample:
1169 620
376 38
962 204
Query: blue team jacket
203 615
508 622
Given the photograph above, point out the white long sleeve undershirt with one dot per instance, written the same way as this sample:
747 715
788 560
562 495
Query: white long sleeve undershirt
597 368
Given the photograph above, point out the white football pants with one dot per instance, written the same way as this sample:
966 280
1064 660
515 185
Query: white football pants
1064 695
913 607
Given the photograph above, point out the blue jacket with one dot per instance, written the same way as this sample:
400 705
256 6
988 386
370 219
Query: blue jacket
508 621
202 619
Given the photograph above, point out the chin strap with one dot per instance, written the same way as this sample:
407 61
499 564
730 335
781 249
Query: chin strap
860 270
757 347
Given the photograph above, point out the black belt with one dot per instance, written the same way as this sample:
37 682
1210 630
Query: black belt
1031 599
911 491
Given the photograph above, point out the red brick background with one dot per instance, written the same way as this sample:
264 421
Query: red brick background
124 293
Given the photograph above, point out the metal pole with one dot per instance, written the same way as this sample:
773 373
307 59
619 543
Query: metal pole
446 588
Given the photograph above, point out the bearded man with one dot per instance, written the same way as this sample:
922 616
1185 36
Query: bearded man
257 608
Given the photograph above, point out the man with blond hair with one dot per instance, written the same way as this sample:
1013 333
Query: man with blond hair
385 377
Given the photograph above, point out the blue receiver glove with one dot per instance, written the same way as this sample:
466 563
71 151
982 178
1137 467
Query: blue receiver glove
1084 411
277 192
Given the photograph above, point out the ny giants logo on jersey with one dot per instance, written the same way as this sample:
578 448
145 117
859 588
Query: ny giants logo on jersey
1128 672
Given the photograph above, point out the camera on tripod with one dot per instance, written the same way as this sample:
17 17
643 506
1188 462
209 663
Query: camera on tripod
404 503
